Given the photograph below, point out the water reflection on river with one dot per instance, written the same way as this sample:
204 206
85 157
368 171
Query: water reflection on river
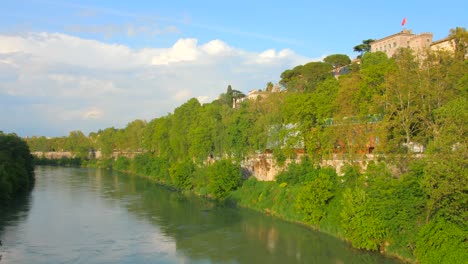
97 216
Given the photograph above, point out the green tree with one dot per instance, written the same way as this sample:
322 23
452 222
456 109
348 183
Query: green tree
459 36
315 72
78 143
402 101
269 87
364 47
16 167
324 97
183 118
106 141
304 78
337 60
133 134
230 95
158 138
445 179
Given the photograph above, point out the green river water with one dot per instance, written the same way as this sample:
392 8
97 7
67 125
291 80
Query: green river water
79 215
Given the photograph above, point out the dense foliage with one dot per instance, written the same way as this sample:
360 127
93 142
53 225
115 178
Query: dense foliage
409 111
16 167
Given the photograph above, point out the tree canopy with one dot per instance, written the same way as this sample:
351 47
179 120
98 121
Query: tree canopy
364 47
16 167
337 60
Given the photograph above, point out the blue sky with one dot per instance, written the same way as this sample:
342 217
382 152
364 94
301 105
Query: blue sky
87 65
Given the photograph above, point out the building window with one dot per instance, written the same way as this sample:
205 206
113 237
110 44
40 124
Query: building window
394 44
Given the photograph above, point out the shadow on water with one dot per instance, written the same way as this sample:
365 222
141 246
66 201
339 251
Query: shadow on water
15 211
206 231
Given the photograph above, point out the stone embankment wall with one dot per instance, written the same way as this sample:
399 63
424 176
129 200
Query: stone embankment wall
53 154
93 154
265 168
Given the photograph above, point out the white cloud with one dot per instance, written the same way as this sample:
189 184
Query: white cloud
64 79
182 95
183 50
217 47
93 113
203 99
271 56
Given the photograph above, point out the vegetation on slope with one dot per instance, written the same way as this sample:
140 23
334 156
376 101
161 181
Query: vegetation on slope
405 203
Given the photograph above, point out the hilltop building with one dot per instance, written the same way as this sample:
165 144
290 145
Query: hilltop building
404 39
417 42
446 44
254 94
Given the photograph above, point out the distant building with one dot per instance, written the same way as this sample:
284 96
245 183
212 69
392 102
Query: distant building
404 39
253 95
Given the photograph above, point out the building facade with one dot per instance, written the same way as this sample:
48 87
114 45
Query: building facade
446 44
404 39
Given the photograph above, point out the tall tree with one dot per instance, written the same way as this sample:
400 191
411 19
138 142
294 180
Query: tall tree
459 36
402 100
78 143
445 179
183 118
363 47
134 135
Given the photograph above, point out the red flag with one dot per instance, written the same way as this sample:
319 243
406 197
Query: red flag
403 22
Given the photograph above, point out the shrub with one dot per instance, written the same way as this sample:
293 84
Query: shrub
224 177
441 241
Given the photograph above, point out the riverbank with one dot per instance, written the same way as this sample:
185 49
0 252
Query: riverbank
372 210
279 200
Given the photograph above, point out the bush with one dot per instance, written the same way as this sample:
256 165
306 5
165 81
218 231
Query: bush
223 177
266 196
122 164
182 174
441 241
362 227
314 196
298 173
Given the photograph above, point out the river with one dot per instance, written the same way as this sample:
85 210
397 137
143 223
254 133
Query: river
79 215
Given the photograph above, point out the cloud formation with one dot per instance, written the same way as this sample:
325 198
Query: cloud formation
67 83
